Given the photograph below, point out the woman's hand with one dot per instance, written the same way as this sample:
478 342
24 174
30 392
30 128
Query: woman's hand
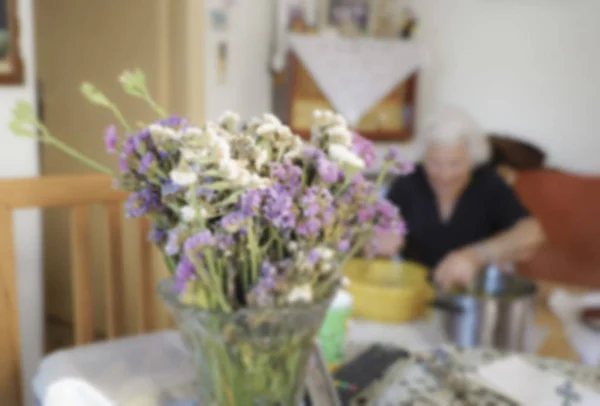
458 268
389 244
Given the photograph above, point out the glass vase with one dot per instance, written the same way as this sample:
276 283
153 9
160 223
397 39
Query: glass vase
252 357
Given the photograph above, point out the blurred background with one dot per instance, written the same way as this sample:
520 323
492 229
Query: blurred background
528 71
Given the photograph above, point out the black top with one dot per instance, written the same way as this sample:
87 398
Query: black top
487 206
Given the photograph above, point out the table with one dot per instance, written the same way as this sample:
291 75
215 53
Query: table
156 364
556 345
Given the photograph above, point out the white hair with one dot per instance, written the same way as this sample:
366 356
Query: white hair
450 126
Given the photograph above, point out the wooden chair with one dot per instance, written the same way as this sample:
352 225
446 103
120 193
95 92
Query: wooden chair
77 193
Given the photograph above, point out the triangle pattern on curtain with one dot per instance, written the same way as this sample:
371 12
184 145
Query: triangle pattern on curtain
355 74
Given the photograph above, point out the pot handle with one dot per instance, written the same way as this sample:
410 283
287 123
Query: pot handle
446 305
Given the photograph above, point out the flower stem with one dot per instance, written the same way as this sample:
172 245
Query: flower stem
121 118
159 110
77 155
253 247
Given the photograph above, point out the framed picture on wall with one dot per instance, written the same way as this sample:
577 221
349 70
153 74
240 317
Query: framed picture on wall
350 17
11 65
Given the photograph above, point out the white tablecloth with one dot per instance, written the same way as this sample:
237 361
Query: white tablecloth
154 369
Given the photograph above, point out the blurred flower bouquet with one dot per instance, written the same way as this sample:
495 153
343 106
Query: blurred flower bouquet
255 226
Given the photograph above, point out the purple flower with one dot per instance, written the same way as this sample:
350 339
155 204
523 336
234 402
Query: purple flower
309 228
141 203
250 202
328 215
386 209
398 165
142 137
205 194
310 203
225 242
366 214
313 153
328 171
268 270
184 272
173 241
314 256
343 246
157 235
129 145
173 121
199 240
316 200
364 149
111 138
169 188
123 163
146 162
279 208
287 174
233 221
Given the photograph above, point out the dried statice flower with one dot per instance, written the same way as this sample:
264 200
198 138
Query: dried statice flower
247 215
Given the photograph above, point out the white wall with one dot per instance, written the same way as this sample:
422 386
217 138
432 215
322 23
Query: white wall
526 67
19 158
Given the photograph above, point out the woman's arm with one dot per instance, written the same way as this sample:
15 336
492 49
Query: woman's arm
518 243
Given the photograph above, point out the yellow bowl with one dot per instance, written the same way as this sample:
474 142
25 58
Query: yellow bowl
386 291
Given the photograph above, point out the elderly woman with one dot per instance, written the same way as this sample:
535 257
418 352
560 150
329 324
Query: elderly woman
461 216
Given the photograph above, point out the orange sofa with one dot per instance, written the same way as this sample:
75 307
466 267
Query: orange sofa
568 206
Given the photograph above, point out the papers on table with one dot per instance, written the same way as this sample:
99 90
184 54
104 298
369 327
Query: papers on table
529 385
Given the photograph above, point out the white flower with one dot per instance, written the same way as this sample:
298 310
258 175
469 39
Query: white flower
244 178
190 154
261 158
345 157
183 177
229 120
271 118
302 293
326 253
285 132
257 181
324 117
340 135
171 134
267 128
220 149
187 213
193 132
340 120
253 124
156 130
161 134
229 168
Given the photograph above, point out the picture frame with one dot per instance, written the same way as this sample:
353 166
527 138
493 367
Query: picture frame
349 17
11 63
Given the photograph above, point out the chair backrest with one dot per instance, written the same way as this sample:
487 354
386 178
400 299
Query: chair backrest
77 193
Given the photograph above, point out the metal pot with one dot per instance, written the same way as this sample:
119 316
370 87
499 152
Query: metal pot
495 312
